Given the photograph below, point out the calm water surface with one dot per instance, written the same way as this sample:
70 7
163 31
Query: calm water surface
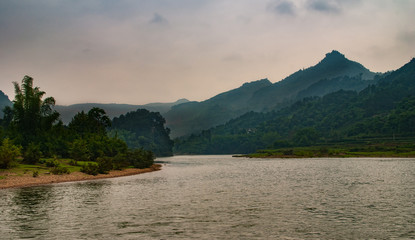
220 197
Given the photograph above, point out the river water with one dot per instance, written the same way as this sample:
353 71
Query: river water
220 197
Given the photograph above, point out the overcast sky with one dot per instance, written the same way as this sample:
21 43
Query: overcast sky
141 51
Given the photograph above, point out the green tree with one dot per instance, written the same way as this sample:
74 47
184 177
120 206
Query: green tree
8 153
31 114
79 150
32 154
93 122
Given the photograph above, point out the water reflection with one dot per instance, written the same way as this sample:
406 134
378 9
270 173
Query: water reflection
29 211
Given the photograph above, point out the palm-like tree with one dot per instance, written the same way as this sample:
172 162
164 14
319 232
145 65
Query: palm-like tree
30 113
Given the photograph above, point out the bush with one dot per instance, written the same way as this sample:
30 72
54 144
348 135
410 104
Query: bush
73 162
32 154
58 170
8 153
51 163
141 158
104 164
35 173
90 168
120 161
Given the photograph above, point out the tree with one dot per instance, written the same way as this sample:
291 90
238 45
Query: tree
8 153
93 122
31 114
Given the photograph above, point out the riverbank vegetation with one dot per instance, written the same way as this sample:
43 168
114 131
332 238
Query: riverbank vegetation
369 148
34 139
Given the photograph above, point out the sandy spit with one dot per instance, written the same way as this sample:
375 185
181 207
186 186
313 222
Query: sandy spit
26 180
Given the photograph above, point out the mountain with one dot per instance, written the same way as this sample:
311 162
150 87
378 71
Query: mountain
4 101
191 117
334 70
331 74
113 110
383 110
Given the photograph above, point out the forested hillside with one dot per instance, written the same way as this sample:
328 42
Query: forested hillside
143 129
333 73
382 110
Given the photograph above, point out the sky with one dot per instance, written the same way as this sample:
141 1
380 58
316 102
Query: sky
143 51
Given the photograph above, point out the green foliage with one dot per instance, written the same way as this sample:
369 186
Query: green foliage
138 158
143 129
93 122
59 170
384 110
79 150
90 168
8 153
32 154
104 164
31 114
51 163
141 158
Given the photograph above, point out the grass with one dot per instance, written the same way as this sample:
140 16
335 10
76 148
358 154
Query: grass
387 149
21 169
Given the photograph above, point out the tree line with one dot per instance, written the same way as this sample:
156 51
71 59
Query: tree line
31 128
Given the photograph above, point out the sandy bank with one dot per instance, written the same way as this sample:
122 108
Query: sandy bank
12 181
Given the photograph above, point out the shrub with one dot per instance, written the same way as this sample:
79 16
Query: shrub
35 173
90 168
73 162
141 158
51 163
8 153
59 169
104 164
32 154
120 161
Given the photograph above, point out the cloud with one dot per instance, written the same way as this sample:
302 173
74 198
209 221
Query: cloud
407 37
285 8
159 19
324 6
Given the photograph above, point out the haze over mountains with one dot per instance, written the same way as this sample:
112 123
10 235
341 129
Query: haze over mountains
113 109
333 73
381 113
183 117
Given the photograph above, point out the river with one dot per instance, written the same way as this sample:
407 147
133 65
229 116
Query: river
220 197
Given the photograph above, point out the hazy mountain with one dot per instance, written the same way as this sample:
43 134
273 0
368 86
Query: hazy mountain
113 109
194 116
383 110
4 101
327 76
333 73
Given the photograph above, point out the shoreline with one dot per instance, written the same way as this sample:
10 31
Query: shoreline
27 180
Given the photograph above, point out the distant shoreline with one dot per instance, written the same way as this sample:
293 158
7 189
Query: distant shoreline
27 180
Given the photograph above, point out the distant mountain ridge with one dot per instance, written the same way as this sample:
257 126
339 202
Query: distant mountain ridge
331 74
384 110
334 66
113 109
183 117
194 116
4 101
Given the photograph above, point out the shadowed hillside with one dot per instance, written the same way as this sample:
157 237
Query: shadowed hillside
333 73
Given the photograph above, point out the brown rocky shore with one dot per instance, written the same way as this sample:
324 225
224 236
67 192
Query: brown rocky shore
26 180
